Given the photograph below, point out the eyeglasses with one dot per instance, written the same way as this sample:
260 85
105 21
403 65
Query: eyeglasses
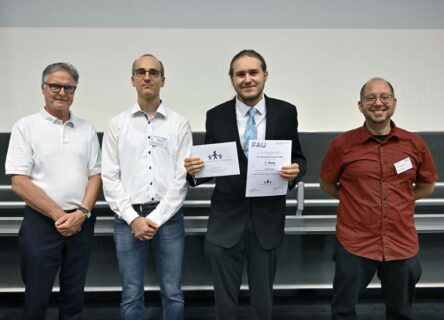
140 73
385 98
55 87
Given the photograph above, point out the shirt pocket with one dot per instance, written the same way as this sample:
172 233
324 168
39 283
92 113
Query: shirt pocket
166 156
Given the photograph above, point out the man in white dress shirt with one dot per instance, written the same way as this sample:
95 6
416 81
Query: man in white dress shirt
145 185
54 162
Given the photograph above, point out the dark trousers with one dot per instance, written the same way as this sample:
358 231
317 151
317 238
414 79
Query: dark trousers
226 267
354 273
44 252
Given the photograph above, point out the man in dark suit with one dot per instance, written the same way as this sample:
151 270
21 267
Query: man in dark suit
242 229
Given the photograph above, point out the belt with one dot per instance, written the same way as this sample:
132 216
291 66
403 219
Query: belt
145 207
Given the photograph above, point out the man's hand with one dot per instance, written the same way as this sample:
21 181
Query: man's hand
143 228
290 172
70 223
193 164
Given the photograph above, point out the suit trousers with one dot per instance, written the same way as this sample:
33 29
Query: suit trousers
353 274
44 252
226 267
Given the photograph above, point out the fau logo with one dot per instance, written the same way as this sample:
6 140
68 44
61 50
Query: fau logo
258 144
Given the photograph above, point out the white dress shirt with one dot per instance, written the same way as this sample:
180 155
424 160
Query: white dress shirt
58 157
143 162
242 118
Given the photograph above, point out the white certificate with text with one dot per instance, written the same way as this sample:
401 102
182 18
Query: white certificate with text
220 159
265 161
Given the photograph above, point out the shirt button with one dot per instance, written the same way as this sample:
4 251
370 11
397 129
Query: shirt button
151 183
149 152
150 167
152 199
149 137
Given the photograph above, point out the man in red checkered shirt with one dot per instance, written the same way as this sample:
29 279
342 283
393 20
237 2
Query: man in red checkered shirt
377 172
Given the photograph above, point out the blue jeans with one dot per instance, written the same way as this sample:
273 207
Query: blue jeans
168 247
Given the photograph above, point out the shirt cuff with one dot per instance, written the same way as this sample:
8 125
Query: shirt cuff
129 215
11 172
94 172
156 217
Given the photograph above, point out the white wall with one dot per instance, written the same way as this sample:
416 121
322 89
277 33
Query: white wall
319 70
319 54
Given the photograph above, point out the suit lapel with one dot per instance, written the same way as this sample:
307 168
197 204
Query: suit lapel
230 123
232 132
271 119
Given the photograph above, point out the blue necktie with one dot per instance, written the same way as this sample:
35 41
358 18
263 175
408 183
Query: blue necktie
250 130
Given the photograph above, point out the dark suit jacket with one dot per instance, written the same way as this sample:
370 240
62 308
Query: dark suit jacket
230 209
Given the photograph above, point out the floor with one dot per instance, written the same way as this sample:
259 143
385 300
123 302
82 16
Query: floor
203 309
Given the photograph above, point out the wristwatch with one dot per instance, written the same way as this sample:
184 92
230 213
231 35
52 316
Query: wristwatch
85 211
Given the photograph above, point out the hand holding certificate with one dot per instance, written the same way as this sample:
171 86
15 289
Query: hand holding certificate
265 160
220 159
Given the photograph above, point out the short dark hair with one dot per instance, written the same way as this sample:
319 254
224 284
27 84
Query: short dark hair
248 53
162 69
60 66
361 94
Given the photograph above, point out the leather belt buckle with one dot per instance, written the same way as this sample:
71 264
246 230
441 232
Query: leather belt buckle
145 208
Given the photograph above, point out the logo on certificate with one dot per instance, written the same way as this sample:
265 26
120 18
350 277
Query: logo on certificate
215 156
258 144
220 159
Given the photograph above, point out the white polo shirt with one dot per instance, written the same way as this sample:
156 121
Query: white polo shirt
58 157
143 162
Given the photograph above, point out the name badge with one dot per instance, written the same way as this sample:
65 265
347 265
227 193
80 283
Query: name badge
159 141
403 165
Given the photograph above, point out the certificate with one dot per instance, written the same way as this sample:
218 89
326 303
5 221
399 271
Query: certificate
220 159
265 161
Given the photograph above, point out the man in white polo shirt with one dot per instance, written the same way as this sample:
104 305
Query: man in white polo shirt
54 162
144 184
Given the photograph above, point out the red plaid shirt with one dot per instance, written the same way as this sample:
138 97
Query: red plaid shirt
376 204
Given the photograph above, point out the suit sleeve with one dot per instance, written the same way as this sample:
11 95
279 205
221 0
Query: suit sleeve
297 155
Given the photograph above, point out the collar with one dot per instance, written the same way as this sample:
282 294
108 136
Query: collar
161 111
49 117
243 108
365 135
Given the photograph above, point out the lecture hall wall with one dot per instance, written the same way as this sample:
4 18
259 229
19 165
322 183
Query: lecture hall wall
319 53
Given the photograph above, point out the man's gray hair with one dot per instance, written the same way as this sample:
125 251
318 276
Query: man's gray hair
61 66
